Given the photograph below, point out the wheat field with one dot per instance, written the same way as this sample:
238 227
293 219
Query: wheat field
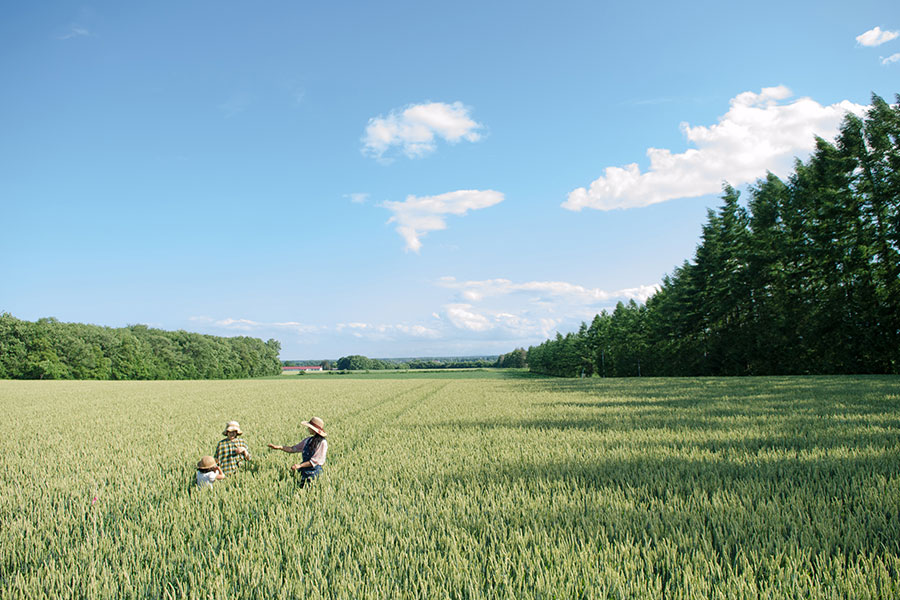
493 487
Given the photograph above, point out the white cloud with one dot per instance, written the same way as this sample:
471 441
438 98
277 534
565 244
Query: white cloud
357 198
475 291
876 37
477 316
355 329
416 216
75 31
386 332
463 317
759 133
891 59
244 324
417 331
481 323
528 312
414 129
229 323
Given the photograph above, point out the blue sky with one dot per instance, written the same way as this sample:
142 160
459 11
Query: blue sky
401 178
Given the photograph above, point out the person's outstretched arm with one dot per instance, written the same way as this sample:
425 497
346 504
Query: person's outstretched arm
289 449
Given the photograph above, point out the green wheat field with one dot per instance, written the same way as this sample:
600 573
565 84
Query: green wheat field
477 487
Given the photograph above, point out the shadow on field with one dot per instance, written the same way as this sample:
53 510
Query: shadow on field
729 433
709 401
831 505
814 463
864 389
756 414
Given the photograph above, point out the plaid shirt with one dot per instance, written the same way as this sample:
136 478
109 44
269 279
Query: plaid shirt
227 454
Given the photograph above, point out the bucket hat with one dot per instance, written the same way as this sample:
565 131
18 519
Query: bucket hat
233 426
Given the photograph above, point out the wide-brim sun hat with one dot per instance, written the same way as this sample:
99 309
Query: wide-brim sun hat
316 425
233 426
207 462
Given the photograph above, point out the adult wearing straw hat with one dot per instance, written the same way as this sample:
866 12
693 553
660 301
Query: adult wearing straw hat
312 450
232 450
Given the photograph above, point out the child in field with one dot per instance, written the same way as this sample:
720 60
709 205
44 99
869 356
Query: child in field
208 472
311 449
231 451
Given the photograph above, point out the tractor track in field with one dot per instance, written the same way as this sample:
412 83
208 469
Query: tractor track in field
368 409
350 449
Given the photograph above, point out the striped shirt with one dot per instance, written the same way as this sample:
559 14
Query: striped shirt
227 454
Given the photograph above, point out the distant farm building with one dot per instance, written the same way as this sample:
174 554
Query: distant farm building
292 369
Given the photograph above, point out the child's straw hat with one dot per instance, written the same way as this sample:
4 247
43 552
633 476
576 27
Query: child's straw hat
207 462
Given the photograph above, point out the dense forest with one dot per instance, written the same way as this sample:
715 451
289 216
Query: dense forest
48 349
802 278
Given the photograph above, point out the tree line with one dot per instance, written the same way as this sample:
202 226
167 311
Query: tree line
357 362
516 359
49 349
802 279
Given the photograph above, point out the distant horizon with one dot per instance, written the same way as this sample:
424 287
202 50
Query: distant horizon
401 358
393 359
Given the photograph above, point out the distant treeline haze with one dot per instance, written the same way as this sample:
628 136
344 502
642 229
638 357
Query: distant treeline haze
356 362
48 349
805 279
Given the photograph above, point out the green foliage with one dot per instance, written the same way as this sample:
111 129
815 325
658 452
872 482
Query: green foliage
462 363
356 362
514 360
521 488
805 279
48 349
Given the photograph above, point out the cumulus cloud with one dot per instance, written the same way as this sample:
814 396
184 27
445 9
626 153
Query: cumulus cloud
247 325
475 291
527 312
475 316
414 129
356 329
244 324
876 37
759 133
416 216
386 332
462 316
891 59
497 325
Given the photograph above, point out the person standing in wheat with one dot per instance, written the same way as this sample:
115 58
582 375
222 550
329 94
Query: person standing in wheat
232 451
312 450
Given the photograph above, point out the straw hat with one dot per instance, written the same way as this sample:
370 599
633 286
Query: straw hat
233 426
316 425
207 462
